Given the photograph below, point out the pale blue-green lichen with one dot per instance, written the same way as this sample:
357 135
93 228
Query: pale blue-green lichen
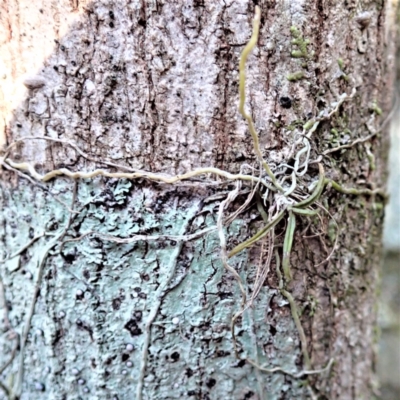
96 295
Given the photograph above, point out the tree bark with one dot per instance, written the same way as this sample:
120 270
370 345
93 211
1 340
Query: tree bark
115 288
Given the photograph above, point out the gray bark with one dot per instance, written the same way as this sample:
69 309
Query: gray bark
153 85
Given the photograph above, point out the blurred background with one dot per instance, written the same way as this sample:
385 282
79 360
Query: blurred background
389 307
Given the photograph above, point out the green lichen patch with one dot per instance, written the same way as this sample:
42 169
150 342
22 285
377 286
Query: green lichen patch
296 76
298 40
343 74
375 108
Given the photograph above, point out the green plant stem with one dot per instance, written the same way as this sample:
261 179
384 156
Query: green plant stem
242 95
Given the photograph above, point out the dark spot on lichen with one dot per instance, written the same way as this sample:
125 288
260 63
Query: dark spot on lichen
108 361
241 364
53 226
40 387
138 315
224 295
222 353
211 383
175 356
116 303
80 295
57 336
69 255
133 328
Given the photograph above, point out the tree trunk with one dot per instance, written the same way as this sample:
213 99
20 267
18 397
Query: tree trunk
121 286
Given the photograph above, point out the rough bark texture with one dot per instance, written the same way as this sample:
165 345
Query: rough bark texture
154 85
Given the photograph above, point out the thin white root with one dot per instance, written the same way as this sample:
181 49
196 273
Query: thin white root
132 175
293 374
